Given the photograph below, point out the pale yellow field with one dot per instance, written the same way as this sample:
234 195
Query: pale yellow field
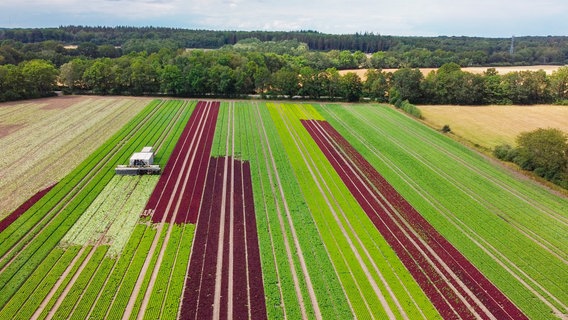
476 70
489 126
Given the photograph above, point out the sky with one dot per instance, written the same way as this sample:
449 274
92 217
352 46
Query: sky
485 18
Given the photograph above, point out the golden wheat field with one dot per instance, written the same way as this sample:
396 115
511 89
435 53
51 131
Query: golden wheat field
489 126
476 70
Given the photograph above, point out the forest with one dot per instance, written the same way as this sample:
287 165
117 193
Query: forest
200 63
402 51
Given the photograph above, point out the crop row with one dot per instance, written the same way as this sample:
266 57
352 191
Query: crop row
439 268
23 208
112 216
140 285
52 142
108 292
73 182
75 292
296 217
73 196
224 275
44 225
132 274
226 218
47 306
165 298
278 264
195 141
375 281
36 287
118 232
285 229
31 223
455 190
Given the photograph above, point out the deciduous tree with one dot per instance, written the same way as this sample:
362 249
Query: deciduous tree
544 151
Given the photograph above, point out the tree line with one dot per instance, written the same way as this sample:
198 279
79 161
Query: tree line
253 67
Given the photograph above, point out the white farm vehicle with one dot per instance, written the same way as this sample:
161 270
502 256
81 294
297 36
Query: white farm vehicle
140 163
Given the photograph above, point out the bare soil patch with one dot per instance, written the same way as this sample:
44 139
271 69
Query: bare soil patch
6 129
60 103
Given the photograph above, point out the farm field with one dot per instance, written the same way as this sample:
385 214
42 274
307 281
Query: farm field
475 70
40 140
489 126
277 210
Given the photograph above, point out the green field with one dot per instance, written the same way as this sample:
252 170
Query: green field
85 250
512 229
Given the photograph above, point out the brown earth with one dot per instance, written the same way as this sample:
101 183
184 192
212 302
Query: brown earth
6 129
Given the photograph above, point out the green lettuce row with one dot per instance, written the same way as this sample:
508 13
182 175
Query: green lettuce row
67 305
354 279
65 282
421 163
113 281
87 301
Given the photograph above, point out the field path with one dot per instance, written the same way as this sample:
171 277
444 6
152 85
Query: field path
221 240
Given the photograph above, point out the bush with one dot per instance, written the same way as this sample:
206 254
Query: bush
410 109
507 153
502 152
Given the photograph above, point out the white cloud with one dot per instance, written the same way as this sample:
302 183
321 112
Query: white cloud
402 17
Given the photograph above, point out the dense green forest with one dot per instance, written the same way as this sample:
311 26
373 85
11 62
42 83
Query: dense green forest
160 61
398 51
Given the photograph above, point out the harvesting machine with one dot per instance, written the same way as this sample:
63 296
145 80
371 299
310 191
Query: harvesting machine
140 163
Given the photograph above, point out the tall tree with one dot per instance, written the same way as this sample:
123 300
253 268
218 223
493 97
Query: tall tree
285 81
100 76
376 85
40 77
559 83
544 151
406 83
527 87
310 83
71 74
170 79
450 85
494 88
351 86
12 83
331 83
